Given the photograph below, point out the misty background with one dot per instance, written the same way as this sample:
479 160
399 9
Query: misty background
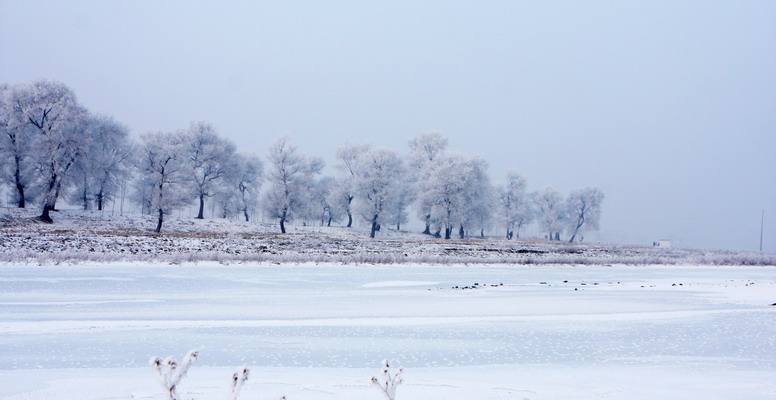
668 107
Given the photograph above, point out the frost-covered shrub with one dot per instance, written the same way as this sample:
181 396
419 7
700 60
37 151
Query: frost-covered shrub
388 383
169 374
238 379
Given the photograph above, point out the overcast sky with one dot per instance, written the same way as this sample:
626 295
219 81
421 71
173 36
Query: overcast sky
669 107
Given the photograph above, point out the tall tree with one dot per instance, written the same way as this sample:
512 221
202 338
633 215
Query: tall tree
584 208
209 158
445 191
348 156
249 178
516 207
549 203
478 198
105 165
162 161
425 149
378 182
50 109
290 177
16 147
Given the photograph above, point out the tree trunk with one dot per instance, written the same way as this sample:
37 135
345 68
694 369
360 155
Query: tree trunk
245 213
20 190
45 217
350 214
49 200
427 231
85 198
328 223
448 232
461 232
398 226
100 197
201 214
374 226
283 222
160 220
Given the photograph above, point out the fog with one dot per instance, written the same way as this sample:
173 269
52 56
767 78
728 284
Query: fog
669 108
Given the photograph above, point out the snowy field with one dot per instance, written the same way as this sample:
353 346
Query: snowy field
320 332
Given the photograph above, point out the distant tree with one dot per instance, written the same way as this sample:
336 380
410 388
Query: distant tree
290 177
397 212
348 155
446 191
584 208
425 149
378 181
162 163
105 165
479 197
516 208
51 111
248 176
552 213
208 159
340 200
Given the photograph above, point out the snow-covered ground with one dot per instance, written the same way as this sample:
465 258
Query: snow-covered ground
79 236
320 331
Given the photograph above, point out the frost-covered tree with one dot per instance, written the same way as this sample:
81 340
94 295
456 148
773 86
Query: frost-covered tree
51 111
397 212
208 159
162 164
380 174
290 177
584 208
340 200
552 213
516 209
17 150
248 179
446 189
425 149
98 175
348 155
478 198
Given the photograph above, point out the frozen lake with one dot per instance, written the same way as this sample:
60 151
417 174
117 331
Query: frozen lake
532 332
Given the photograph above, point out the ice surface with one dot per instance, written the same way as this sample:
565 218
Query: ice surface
316 332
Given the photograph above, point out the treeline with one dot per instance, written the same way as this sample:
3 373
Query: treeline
53 147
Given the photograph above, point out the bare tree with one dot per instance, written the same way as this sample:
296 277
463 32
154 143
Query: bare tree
584 207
